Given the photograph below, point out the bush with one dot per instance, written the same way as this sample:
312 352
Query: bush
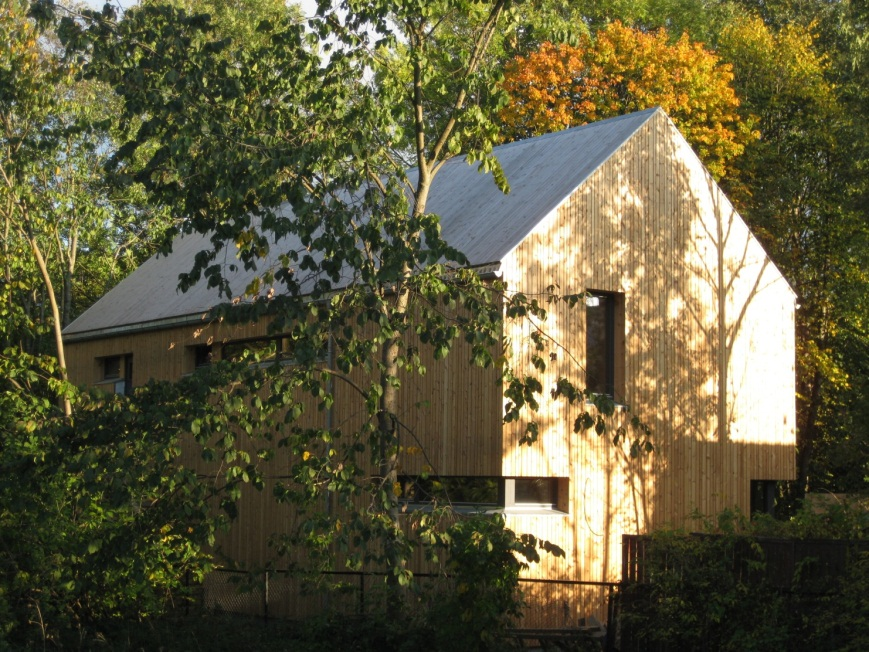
840 621
484 561
713 591
697 598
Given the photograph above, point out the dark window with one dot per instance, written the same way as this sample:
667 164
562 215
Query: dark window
535 491
279 348
112 367
117 370
202 355
264 349
528 493
456 490
604 343
128 374
763 496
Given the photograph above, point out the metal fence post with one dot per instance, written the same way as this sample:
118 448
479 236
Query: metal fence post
266 597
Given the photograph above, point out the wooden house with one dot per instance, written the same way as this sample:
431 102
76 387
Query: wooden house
689 323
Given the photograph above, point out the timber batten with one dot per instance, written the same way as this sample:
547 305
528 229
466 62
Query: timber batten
704 345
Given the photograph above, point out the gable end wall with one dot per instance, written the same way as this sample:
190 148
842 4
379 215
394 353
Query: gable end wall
701 296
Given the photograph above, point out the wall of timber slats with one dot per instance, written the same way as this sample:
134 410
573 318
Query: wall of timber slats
450 422
452 411
705 311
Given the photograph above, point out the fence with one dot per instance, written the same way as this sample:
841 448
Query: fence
811 565
279 594
700 591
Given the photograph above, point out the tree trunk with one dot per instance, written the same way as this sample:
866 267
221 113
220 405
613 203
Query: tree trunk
807 433
57 324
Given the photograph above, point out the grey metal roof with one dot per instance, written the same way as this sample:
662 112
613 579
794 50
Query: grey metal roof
476 217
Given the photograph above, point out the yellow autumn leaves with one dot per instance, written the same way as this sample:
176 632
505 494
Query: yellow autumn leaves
622 70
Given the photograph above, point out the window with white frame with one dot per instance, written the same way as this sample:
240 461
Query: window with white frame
486 493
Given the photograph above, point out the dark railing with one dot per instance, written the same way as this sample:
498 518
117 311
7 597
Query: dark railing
798 575
811 565
262 594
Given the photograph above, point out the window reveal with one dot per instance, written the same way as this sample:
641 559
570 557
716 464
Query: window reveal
116 371
604 343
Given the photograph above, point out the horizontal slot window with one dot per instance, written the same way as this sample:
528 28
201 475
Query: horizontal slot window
486 493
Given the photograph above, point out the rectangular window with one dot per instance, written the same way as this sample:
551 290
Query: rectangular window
112 367
280 348
466 491
486 493
265 349
202 355
116 371
763 496
531 494
604 343
535 491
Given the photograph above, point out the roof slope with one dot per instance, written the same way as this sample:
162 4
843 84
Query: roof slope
476 217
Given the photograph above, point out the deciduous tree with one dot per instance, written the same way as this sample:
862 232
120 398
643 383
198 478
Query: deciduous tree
297 122
621 70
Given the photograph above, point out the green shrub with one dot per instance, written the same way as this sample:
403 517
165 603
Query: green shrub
712 591
483 600
840 621
697 598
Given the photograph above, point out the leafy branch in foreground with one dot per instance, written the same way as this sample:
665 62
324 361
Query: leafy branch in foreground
288 153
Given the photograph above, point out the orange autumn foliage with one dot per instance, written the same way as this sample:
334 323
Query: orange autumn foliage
620 71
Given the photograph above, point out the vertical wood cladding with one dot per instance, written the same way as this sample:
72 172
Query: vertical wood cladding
708 353
707 362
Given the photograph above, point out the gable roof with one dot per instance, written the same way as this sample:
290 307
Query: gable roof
475 216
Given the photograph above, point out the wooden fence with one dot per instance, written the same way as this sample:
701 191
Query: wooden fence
806 565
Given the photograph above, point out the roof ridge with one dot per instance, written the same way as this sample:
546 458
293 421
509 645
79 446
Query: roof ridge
561 133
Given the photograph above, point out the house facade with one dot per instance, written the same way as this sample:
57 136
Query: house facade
687 323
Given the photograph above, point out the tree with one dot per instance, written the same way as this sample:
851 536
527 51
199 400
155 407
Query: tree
98 519
236 20
26 112
800 187
283 124
560 22
623 70
76 542
55 136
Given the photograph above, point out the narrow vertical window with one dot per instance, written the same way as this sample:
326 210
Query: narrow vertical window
763 497
604 343
128 374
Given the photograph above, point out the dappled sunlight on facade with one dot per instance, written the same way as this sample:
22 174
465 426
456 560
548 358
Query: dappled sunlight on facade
651 226
687 325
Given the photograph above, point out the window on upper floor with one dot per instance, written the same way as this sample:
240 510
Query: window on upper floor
116 371
273 348
266 349
111 367
605 343
202 355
